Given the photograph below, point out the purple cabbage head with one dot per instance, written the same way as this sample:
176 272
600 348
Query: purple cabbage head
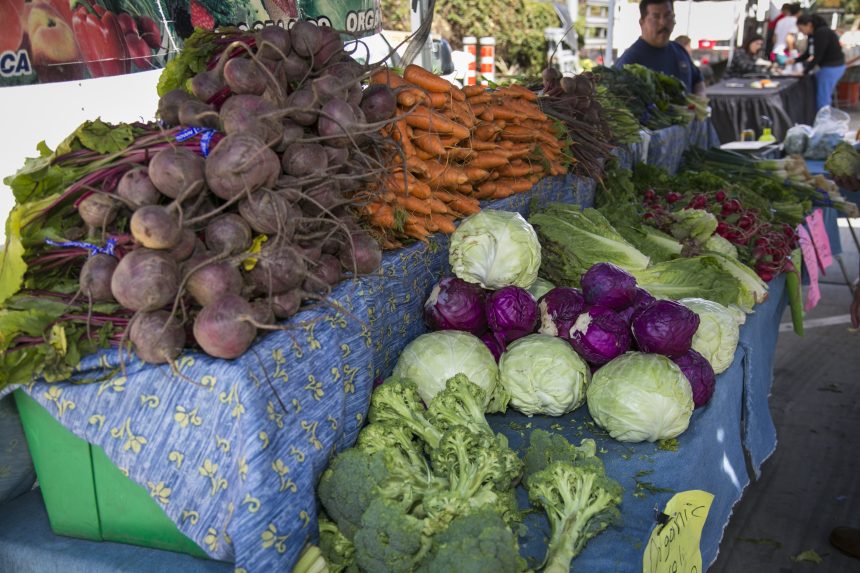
454 304
640 301
559 308
665 327
599 335
605 284
495 343
512 313
700 373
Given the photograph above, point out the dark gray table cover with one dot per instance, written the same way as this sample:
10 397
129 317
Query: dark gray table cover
734 109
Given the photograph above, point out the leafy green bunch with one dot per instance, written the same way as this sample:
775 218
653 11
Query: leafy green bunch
427 490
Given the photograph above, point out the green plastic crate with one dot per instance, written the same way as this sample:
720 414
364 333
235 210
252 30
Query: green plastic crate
86 495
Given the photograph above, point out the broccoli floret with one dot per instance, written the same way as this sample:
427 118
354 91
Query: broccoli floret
390 540
390 435
397 400
471 460
348 486
580 501
461 403
547 447
480 542
339 552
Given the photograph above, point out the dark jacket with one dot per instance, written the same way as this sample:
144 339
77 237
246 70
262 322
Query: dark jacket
823 50
743 63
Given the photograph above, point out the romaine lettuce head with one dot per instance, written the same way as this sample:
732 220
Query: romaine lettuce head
431 359
717 244
495 249
638 397
717 336
543 375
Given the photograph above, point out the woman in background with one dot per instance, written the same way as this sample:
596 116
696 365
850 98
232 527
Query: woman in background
744 60
822 51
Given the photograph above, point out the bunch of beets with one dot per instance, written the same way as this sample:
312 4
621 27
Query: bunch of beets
233 233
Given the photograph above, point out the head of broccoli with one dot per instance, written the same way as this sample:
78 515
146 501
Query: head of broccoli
390 540
580 501
460 403
547 447
339 552
397 400
348 486
390 435
475 543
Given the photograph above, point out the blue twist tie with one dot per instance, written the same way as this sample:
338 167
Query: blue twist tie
188 133
108 249
205 139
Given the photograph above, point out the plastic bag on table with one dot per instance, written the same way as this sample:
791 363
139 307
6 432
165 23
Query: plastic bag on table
797 139
830 128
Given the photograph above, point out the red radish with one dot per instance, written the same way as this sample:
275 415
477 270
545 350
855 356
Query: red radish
157 338
145 280
223 328
137 189
286 304
241 164
98 210
155 228
228 234
96 277
177 171
213 281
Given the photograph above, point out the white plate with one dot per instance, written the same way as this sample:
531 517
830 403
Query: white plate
746 145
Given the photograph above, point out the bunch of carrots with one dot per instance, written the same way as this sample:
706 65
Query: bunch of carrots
456 147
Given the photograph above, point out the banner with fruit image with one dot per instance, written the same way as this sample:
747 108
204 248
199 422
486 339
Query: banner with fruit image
45 41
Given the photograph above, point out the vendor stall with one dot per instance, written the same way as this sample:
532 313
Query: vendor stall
737 106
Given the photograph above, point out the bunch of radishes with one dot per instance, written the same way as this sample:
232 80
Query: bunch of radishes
232 241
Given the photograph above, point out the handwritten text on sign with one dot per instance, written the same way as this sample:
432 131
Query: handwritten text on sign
674 547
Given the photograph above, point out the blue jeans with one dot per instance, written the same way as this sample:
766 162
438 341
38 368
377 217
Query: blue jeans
825 82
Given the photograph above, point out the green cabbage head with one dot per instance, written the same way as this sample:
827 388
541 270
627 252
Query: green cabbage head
717 336
495 249
431 359
638 397
544 375
540 287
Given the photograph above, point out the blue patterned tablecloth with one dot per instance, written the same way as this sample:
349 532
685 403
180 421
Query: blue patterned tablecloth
665 147
231 450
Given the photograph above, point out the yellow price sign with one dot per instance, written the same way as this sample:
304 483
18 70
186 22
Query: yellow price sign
674 545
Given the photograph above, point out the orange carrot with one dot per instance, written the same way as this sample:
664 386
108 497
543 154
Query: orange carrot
443 223
457 94
416 166
437 206
485 190
386 76
480 145
472 91
422 118
401 135
424 155
414 204
409 185
486 98
517 169
425 79
508 113
465 205
523 92
488 130
439 99
466 188
428 142
383 216
446 175
489 160
476 174
478 110
459 153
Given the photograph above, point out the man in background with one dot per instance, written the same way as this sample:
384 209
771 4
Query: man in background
704 66
654 50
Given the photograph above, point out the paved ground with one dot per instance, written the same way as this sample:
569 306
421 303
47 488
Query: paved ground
810 483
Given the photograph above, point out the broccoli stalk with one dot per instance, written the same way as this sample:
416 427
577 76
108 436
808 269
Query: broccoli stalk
461 403
398 401
580 502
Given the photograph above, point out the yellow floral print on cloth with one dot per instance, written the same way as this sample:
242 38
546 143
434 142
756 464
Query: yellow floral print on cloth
231 450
